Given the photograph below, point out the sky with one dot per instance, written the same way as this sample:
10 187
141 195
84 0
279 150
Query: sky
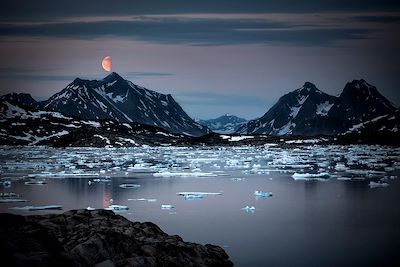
214 57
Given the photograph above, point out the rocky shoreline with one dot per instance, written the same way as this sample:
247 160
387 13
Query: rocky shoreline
97 238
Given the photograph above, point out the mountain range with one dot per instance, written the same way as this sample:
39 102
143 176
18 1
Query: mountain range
308 111
225 124
114 98
116 111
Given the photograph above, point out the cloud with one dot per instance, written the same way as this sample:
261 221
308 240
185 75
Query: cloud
378 19
48 9
192 31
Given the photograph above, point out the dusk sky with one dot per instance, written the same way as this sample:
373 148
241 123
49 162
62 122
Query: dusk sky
214 57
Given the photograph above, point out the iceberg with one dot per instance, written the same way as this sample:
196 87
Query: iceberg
90 208
249 208
198 193
261 194
33 208
192 197
238 179
6 184
35 182
167 207
311 176
143 199
128 186
373 184
117 207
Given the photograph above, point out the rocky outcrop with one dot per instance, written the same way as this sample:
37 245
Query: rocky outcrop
97 238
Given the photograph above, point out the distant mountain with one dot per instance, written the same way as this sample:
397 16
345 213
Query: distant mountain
114 98
20 99
224 124
309 111
29 126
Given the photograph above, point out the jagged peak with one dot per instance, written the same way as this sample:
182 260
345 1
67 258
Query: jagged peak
309 85
360 87
307 88
24 97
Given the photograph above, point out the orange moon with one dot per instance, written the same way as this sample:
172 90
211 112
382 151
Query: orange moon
106 63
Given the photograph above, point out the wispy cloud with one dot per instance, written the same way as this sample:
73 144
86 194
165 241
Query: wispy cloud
167 30
47 9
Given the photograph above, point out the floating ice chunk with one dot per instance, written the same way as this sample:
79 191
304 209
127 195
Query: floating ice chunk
341 167
35 182
89 182
249 208
311 176
129 186
373 184
198 193
105 180
193 197
90 208
9 195
238 179
144 199
261 194
117 207
33 208
167 207
6 184
13 200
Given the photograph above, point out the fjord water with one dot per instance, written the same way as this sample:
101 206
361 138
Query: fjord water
324 222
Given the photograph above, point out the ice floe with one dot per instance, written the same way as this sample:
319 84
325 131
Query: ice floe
261 194
34 208
311 176
129 186
198 193
143 199
117 207
373 184
249 208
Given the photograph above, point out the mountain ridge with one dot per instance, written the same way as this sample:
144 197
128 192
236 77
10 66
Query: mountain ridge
226 123
309 111
114 98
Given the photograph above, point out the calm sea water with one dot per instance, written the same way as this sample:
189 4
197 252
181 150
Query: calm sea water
305 223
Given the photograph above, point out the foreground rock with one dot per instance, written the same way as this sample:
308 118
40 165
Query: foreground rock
97 238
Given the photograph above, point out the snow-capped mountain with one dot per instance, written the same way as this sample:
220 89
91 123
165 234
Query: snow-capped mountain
359 102
309 111
292 113
224 124
114 98
21 125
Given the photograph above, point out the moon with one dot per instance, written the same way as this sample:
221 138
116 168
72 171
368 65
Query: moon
106 63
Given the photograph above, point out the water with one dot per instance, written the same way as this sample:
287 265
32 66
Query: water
331 222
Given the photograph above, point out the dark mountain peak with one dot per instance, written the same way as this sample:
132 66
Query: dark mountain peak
307 89
78 82
357 87
309 85
19 99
